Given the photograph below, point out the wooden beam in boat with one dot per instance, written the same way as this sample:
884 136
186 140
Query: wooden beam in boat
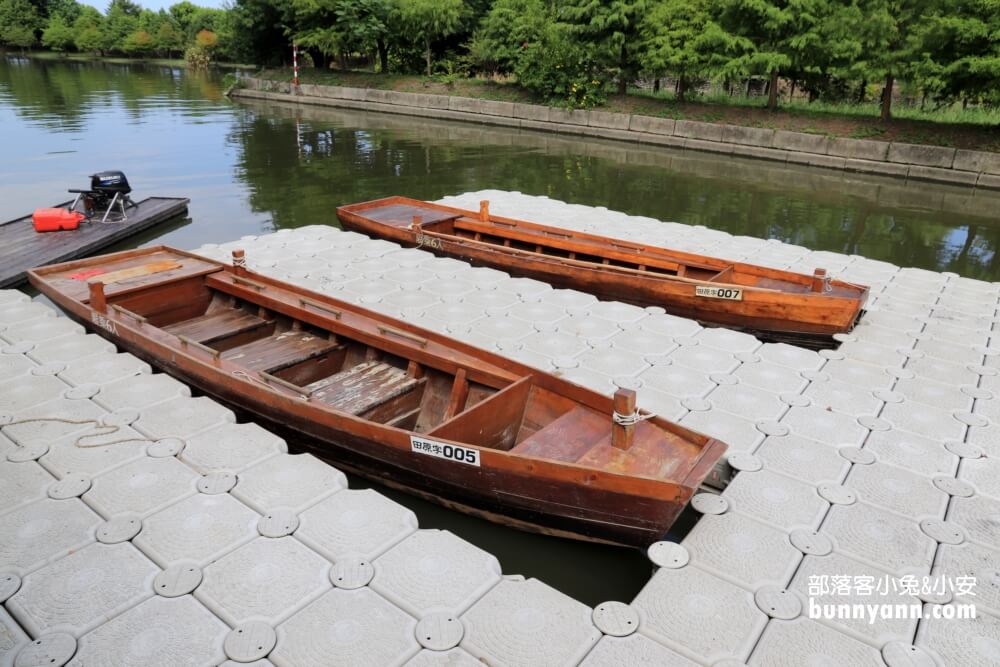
97 300
459 395
622 435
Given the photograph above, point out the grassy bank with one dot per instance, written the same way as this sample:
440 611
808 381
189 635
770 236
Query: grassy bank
975 130
120 60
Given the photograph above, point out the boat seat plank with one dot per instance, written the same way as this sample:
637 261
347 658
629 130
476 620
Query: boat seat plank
220 324
654 453
401 215
280 350
363 387
567 438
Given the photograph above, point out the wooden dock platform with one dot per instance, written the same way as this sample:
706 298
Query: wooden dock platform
22 248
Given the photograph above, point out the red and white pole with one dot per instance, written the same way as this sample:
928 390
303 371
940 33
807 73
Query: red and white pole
295 64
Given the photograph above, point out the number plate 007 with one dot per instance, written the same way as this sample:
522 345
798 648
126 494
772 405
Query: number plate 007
730 293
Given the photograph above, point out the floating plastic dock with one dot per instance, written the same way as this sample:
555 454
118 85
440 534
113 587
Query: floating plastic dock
197 540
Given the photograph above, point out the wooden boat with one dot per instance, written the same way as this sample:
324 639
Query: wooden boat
22 248
779 305
405 406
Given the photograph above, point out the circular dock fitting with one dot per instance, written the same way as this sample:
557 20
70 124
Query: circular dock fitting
71 486
970 419
686 341
177 580
439 631
615 618
217 482
832 355
565 362
873 423
278 523
815 376
709 503
695 404
857 455
668 554
82 392
10 583
901 654
965 450
844 338
627 382
837 494
771 427
121 417
778 602
888 396
977 393
32 452
351 572
744 462
121 528
943 596
794 400
901 373
53 650
982 370
53 368
22 347
810 542
945 532
165 447
723 379
250 641
911 354
954 487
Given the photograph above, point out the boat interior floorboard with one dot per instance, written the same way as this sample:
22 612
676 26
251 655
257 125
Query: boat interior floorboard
216 325
362 388
280 350
567 438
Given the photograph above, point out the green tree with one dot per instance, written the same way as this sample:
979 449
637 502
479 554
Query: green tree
58 36
886 30
771 36
428 20
19 21
610 29
680 37
139 43
168 38
87 35
182 12
960 52
506 31
121 20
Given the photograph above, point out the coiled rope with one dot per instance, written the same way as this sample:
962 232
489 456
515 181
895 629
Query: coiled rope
632 419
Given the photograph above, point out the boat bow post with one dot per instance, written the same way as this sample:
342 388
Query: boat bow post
623 419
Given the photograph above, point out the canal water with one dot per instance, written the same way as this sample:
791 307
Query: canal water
255 168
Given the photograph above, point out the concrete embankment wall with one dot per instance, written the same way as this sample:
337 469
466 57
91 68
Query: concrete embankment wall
910 161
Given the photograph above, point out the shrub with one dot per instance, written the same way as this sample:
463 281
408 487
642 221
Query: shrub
560 69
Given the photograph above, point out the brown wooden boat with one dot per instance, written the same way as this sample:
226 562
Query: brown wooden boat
779 305
406 406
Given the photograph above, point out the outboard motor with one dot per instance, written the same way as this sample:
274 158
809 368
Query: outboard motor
108 190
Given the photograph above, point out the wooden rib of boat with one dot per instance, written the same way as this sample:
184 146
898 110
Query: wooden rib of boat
405 406
777 304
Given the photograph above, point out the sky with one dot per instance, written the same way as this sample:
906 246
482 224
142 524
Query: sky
155 5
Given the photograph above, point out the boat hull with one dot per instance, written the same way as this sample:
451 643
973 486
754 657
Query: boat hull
522 495
794 316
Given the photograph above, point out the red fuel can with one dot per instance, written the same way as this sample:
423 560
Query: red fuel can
55 219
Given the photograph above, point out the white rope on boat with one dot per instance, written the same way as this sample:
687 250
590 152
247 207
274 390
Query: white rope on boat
632 419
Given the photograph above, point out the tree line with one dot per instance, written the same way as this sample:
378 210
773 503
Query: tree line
576 52
199 33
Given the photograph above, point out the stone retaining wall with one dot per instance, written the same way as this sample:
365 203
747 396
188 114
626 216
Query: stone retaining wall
911 161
